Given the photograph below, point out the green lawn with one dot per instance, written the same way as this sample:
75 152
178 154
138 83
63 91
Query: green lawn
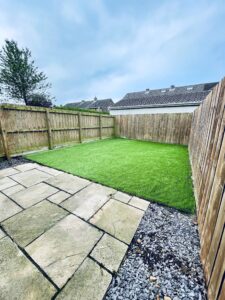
154 171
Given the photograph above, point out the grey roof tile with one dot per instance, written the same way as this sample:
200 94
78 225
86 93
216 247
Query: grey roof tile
103 104
182 95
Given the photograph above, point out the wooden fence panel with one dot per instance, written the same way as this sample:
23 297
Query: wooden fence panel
32 128
207 155
166 128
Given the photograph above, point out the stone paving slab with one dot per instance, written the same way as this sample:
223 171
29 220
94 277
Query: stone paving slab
109 252
31 223
26 167
7 172
90 282
68 183
2 234
20 279
61 249
118 219
88 201
122 197
6 182
59 197
48 170
14 189
7 207
139 203
30 177
33 194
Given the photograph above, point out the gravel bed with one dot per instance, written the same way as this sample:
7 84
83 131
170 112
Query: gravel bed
162 260
12 162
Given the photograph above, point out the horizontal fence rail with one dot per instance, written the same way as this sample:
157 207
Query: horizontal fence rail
25 128
207 155
165 128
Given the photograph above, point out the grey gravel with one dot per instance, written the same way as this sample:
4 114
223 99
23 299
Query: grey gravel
166 246
15 161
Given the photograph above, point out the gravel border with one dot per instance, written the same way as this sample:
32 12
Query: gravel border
15 161
162 260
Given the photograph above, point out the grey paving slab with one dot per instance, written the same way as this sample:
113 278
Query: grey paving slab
109 252
7 207
20 279
118 219
2 234
122 197
48 170
26 167
7 172
6 182
31 177
88 201
59 197
90 282
33 194
139 203
14 189
68 183
61 249
31 223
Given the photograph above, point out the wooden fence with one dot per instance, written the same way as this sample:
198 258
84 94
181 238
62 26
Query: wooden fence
166 128
24 128
207 155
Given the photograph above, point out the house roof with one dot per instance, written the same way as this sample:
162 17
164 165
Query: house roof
173 96
93 104
104 103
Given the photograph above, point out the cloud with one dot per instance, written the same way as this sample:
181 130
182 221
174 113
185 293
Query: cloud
108 48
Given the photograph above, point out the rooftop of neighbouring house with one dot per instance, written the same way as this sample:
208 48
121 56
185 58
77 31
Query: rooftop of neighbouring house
172 96
102 104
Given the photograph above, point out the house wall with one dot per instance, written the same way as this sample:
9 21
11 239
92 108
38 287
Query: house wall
156 110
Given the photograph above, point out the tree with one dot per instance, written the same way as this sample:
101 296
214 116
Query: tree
39 100
19 77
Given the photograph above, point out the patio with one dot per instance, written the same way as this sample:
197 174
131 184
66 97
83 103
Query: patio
57 230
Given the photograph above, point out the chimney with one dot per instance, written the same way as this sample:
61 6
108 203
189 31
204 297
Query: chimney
172 86
147 90
95 98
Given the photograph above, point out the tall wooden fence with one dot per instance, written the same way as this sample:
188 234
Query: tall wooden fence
207 155
166 128
24 128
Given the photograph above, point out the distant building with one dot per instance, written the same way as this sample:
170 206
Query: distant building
98 105
168 100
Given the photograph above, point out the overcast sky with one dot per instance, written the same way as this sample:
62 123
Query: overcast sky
106 48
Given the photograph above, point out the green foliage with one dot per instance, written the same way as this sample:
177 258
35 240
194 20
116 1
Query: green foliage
19 77
81 110
39 100
154 171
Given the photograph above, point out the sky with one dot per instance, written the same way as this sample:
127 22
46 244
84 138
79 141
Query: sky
107 48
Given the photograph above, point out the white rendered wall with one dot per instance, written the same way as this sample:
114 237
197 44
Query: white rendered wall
157 110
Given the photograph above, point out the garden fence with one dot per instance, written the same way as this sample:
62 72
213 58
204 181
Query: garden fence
207 155
25 128
28 128
165 128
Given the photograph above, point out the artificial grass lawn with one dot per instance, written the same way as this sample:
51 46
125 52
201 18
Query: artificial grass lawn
154 171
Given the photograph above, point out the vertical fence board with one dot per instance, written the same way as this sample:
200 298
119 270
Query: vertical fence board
166 128
207 156
32 128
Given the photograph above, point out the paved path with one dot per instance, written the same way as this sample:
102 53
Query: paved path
61 236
